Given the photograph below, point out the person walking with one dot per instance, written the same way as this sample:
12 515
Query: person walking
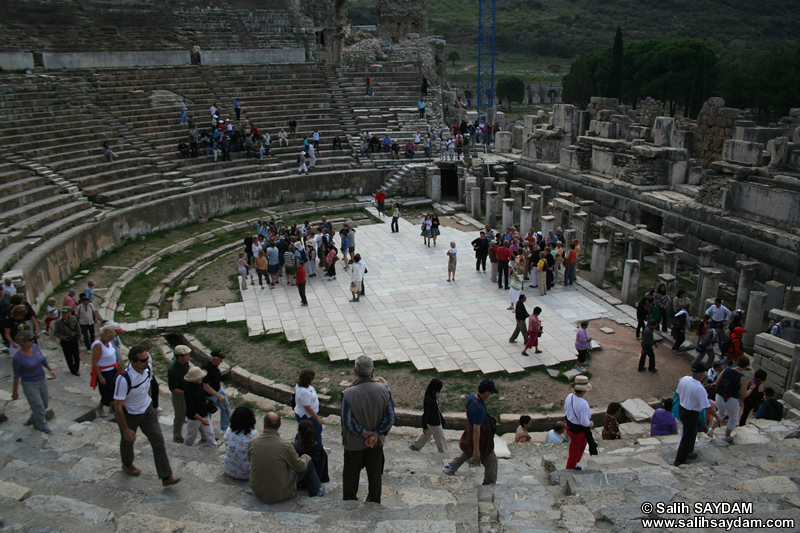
541 274
648 343
579 423
432 420
732 386
583 343
520 316
67 330
28 364
681 321
534 332
212 385
693 398
134 410
477 441
395 218
426 223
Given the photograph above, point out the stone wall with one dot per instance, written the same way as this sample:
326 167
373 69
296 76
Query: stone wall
53 262
167 58
16 60
714 126
397 19
775 356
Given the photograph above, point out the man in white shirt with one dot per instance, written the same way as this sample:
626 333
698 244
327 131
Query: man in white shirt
9 289
693 399
718 312
134 410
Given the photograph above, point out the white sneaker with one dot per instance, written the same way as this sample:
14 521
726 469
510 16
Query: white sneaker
158 409
710 433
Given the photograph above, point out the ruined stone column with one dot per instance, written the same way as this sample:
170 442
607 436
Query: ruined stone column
711 277
508 212
601 252
535 201
500 187
469 183
436 187
547 194
630 282
747 277
517 194
516 183
558 213
475 204
462 187
547 224
488 184
529 190
671 258
669 281
752 322
525 220
491 208
706 260
581 226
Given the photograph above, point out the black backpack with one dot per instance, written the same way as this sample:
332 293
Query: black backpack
124 374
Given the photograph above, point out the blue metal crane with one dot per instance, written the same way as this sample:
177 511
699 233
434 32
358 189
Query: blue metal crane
486 12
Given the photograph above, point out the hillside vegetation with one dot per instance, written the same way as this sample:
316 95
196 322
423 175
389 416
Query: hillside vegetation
734 29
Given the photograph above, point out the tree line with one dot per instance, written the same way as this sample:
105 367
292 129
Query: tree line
684 74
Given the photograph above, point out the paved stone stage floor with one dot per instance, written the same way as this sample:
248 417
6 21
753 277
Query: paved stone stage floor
410 312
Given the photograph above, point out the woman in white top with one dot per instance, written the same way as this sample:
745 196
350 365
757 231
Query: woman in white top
237 439
427 223
104 368
578 414
452 260
306 403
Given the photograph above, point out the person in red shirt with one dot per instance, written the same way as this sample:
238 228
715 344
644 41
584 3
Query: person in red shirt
569 273
300 279
504 255
380 199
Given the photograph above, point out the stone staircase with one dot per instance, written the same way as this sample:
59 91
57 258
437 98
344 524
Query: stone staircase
73 478
408 179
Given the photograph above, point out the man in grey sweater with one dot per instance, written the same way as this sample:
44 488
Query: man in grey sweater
367 417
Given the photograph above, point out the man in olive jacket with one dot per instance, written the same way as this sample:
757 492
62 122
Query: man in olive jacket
367 417
276 469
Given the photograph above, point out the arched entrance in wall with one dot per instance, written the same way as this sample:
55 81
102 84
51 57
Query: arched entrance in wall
449 175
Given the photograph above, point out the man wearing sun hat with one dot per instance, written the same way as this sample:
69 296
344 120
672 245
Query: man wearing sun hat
477 441
693 398
197 415
67 330
175 375
579 422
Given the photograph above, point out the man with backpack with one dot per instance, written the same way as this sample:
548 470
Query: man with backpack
134 410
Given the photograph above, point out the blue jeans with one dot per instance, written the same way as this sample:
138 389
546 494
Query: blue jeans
38 398
183 117
311 480
224 410
569 274
317 425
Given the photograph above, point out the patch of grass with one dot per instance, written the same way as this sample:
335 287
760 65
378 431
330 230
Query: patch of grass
137 291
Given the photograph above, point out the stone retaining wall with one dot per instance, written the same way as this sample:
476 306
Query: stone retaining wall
53 60
776 356
53 262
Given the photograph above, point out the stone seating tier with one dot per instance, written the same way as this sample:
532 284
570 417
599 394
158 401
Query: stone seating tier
44 135
127 160
42 211
113 185
19 199
46 153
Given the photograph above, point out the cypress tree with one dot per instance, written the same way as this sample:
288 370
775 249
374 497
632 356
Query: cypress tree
615 74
